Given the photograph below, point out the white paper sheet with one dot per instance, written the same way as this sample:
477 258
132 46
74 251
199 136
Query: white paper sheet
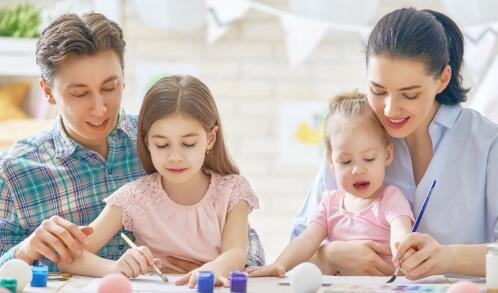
145 283
362 280
365 280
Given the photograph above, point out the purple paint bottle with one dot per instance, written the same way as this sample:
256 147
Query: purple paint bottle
238 282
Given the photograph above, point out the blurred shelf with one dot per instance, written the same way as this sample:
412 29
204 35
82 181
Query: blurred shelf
13 130
17 57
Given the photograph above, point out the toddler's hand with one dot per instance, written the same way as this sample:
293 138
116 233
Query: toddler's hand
272 270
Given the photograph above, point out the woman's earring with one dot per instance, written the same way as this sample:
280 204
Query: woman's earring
207 151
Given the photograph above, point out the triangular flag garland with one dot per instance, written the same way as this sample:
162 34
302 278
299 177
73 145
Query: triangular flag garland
221 14
301 37
302 34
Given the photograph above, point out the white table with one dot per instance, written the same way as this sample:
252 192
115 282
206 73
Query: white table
256 285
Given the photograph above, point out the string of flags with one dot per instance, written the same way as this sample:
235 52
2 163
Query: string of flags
302 34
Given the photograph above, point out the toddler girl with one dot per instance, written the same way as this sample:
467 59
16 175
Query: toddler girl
358 149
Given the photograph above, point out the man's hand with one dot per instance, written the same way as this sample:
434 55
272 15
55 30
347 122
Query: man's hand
56 239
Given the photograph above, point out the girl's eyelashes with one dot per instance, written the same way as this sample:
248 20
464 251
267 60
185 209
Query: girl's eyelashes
162 146
79 95
345 162
111 89
369 159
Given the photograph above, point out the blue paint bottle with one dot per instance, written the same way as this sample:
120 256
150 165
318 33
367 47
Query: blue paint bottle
40 276
205 282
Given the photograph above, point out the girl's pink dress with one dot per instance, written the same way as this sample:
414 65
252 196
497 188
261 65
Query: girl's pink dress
169 229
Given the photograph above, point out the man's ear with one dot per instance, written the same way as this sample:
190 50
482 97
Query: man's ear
211 139
444 78
47 91
389 154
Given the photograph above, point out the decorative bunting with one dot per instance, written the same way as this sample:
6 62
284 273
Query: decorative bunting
221 14
301 37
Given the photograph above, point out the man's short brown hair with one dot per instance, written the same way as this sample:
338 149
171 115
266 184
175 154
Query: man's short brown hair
71 34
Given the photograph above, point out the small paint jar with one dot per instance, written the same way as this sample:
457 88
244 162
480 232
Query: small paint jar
238 282
40 276
9 284
492 267
205 282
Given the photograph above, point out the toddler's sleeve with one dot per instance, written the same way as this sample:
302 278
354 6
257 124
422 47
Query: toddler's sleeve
396 205
322 210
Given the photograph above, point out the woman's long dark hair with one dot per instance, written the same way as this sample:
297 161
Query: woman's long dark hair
424 35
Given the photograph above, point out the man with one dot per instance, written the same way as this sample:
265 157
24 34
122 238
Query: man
60 177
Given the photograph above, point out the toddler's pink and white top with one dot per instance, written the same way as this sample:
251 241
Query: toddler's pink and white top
372 223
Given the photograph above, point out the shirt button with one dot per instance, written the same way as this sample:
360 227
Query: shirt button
121 247
109 171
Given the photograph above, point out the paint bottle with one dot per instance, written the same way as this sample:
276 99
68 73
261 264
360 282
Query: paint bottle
492 268
40 276
9 284
205 282
238 282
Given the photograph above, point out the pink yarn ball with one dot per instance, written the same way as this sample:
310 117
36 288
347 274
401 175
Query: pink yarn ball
115 283
464 287
3 290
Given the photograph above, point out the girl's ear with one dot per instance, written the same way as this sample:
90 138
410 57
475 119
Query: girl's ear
211 139
389 154
47 91
444 78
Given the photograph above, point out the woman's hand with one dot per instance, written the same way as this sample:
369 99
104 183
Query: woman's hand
358 257
272 270
429 257
135 262
190 279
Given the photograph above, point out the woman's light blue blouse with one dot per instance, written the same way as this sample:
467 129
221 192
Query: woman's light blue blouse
463 208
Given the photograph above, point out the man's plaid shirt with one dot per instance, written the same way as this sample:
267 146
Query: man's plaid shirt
51 174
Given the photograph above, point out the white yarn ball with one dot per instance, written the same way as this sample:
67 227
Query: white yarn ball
19 270
305 278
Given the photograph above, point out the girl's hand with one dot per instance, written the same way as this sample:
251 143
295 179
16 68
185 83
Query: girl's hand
135 262
272 270
429 257
190 279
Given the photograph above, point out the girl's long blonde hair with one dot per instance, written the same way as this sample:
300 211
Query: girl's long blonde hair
183 94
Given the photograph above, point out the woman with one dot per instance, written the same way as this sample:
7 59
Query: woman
414 87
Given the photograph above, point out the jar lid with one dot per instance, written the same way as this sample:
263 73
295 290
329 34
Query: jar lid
493 247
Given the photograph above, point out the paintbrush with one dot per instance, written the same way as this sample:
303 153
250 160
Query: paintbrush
415 226
132 245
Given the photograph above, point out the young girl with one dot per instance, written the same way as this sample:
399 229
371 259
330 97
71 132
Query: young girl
365 208
193 205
